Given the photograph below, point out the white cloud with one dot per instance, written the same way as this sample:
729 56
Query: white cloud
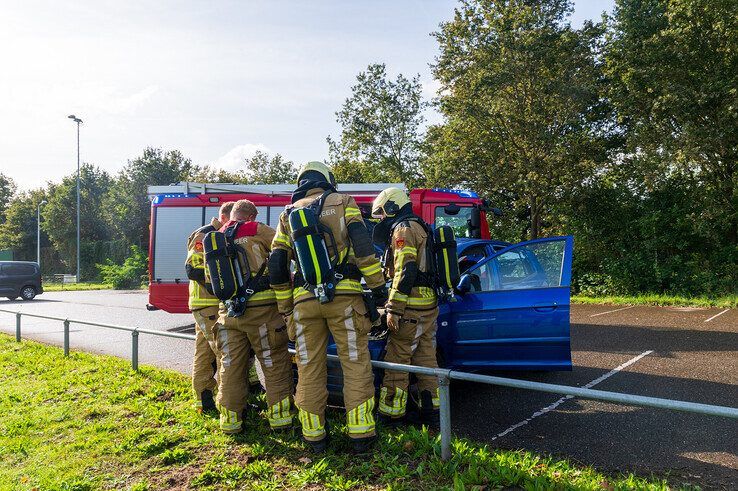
126 105
431 88
234 158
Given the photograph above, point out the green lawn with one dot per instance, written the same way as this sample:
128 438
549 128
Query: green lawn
89 422
659 299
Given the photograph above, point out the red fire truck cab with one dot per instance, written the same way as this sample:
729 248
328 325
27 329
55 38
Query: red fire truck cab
178 209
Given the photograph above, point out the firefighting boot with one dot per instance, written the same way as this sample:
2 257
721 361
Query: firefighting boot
390 422
208 403
429 413
320 446
360 446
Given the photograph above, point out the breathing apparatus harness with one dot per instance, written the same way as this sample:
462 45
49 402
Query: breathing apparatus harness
228 265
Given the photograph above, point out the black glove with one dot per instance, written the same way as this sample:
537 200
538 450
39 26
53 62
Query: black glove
380 296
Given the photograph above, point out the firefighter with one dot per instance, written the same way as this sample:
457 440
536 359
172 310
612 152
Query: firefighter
204 307
260 328
412 308
342 313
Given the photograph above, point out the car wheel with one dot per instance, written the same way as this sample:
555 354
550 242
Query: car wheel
28 292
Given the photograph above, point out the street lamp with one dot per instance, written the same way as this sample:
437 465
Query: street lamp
78 121
38 233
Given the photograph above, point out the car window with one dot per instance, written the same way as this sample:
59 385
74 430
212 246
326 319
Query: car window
537 265
458 222
476 250
482 279
19 269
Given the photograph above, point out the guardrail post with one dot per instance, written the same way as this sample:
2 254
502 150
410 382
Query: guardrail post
66 337
444 394
18 326
134 350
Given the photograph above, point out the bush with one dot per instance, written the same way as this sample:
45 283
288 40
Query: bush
126 276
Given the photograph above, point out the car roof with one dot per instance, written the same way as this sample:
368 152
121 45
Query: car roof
19 262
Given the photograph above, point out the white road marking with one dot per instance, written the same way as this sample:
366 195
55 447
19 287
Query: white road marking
717 315
567 397
611 311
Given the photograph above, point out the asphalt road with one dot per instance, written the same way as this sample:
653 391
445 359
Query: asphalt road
685 354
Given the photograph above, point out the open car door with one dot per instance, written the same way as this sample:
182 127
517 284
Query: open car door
513 312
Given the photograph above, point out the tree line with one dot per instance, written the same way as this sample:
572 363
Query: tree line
622 132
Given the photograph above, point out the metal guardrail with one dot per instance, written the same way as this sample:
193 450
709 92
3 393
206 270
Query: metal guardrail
444 379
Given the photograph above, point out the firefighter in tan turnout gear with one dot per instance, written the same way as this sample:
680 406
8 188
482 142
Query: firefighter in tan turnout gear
259 327
324 233
204 307
412 308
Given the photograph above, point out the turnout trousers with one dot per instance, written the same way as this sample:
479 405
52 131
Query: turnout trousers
414 343
310 324
204 365
262 329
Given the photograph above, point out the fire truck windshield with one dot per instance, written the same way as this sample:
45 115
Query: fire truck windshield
458 221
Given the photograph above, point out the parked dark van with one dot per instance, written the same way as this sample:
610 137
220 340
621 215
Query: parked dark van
20 279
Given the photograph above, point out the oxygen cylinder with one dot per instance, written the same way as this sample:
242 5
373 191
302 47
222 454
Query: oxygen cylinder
447 257
312 254
219 263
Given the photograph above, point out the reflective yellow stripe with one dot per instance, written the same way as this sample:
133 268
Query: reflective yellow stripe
349 285
445 260
370 270
420 302
282 294
396 295
279 414
343 285
361 418
352 212
311 426
399 402
229 420
263 295
407 250
282 239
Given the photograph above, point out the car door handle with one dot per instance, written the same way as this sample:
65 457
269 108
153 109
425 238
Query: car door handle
545 307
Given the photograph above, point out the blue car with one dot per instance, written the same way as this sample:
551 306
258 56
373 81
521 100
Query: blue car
511 311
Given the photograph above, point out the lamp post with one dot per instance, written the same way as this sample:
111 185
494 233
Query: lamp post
38 233
78 121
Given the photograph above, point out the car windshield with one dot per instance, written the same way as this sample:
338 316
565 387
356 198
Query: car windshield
458 222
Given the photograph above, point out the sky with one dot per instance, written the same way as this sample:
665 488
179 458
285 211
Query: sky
216 80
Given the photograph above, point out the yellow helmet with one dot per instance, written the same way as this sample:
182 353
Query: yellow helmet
389 202
319 167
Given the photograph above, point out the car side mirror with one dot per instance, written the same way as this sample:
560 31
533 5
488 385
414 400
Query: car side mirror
465 284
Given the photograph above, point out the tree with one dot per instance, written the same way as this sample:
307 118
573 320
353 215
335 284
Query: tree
7 190
18 231
674 71
128 204
60 217
261 168
520 93
380 135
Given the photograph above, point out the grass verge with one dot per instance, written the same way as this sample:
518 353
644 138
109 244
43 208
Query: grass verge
730 301
89 422
75 287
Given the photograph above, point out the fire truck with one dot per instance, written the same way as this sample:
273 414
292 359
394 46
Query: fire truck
512 307
177 210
